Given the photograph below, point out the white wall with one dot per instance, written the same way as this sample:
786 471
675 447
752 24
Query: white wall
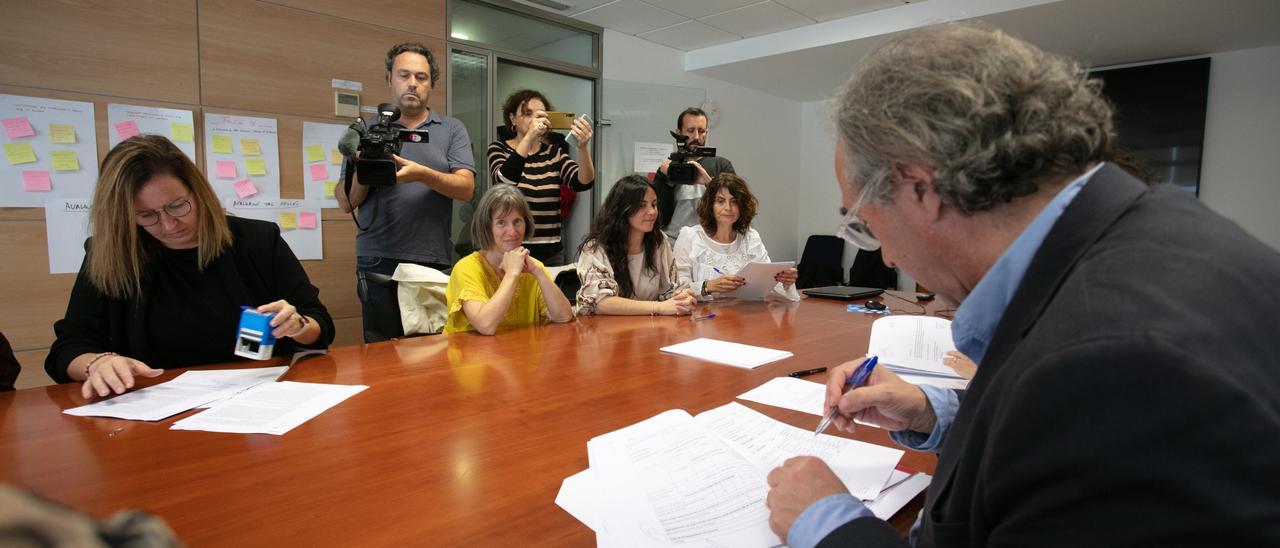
1239 177
758 132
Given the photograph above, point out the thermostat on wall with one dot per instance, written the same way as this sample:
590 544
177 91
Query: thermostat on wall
346 105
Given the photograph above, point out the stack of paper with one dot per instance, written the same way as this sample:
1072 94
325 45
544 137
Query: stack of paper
913 347
189 390
269 408
728 353
676 479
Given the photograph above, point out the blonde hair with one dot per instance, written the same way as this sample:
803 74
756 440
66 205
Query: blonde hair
121 248
498 200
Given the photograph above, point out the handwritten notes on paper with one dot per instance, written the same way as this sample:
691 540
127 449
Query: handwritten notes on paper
44 141
176 124
320 180
258 148
298 220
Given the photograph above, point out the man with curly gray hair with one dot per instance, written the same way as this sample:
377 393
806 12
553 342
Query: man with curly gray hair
1110 406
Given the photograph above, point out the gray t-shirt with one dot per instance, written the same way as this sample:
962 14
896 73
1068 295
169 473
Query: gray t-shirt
687 196
408 221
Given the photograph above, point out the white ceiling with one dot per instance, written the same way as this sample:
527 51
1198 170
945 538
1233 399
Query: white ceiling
804 49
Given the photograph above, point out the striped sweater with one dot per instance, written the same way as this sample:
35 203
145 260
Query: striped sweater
538 177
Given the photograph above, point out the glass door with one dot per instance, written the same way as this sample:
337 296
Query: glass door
469 99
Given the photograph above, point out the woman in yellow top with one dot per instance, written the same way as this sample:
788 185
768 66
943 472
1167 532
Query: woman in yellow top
501 285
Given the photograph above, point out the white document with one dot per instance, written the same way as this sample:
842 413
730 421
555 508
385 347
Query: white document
728 353
50 150
863 467
233 147
270 408
299 220
649 156
903 488
913 344
175 124
759 278
189 390
66 228
790 393
579 497
322 139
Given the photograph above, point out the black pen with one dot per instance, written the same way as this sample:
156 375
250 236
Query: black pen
806 372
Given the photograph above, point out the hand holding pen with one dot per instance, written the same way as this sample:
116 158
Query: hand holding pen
725 283
880 398
858 377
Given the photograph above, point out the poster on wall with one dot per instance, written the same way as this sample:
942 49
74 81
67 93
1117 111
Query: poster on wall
299 222
66 224
242 156
321 161
50 150
125 121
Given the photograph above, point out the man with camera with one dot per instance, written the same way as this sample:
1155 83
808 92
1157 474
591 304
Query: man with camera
405 206
681 179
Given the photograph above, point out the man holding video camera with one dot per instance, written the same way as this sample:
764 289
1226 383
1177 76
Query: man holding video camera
681 179
405 211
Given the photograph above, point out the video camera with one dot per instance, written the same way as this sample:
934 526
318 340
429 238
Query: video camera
378 142
681 169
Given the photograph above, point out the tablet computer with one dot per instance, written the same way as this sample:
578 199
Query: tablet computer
842 292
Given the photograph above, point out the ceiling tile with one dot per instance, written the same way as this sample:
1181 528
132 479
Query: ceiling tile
689 35
575 6
630 16
757 19
701 8
826 10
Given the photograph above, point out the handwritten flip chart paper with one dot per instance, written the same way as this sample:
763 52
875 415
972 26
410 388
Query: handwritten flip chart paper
291 215
62 134
316 139
177 125
258 147
36 181
67 227
18 126
226 169
245 188
127 129
55 135
65 160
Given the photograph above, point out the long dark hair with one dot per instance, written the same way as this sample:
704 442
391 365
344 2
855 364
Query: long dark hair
613 224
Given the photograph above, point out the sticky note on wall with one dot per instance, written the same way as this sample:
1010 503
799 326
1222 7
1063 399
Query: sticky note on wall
63 134
127 129
255 166
36 181
319 172
307 220
315 153
222 144
245 188
288 220
65 160
17 127
329 187
21 153
226 169
182 132
250 147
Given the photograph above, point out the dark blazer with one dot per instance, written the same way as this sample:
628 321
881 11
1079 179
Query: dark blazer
258 268
1130 395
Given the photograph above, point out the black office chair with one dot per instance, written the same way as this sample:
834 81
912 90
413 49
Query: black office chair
820 263
383 321
569 284
869 270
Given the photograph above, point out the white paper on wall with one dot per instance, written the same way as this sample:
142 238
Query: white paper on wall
321 161
124 121
242 156
66 223
299 222
50 150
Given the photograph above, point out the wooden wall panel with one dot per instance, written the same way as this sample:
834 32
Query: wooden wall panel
420 17
139 48
33 299
32 374
270 58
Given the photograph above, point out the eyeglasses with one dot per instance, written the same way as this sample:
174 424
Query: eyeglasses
176 209
855 230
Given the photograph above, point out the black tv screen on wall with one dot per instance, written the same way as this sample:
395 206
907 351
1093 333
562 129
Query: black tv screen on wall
1160 116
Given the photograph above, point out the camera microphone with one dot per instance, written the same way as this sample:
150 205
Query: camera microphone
349 142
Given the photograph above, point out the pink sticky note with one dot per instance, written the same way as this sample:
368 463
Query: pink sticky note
226 169
17 127
245 188
36 181
127 129
306 220
319 172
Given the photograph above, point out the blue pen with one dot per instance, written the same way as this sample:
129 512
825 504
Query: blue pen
858 377
707 317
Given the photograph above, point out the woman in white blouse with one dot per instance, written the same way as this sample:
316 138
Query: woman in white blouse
708 255
625 266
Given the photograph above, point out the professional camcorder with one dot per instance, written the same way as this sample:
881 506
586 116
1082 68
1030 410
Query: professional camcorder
378 141
681 169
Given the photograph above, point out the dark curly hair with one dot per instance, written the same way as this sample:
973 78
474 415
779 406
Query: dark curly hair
741 195
413 47
518 98
613 224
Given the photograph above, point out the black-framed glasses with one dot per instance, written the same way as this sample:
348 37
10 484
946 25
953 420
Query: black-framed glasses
150 217
853 229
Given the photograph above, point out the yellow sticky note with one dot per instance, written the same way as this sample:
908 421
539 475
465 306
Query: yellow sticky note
335 157
255 166
328 188
315 153
64 134
65 160
288 219
19 153
250 147
222 144
184 132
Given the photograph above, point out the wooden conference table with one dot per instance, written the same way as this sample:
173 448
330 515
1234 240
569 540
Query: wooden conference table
460 439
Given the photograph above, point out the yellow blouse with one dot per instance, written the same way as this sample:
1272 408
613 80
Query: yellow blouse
473 279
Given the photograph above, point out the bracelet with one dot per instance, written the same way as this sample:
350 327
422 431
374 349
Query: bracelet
95 360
